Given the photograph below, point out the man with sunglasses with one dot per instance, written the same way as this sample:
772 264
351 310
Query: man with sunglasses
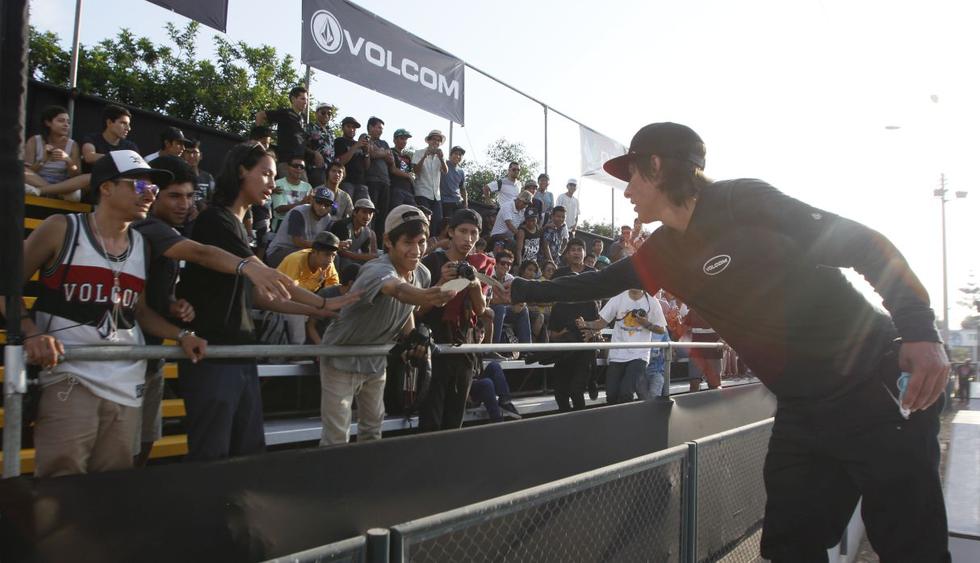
291 190
506 187
301 226
319 139
764 270
93 277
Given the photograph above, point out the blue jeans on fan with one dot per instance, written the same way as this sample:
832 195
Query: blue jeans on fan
491 390
521 322
651 385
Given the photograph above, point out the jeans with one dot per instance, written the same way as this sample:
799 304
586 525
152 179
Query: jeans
338 389
622 378
436 208
571 375
450 207
491 390
380 194
224 409
521 322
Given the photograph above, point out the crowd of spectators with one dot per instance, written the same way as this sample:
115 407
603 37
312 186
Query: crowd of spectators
347 240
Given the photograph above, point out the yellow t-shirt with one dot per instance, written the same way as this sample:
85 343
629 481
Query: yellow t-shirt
297 267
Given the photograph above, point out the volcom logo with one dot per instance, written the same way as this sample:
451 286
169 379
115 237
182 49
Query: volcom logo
716 264
330 37
327 32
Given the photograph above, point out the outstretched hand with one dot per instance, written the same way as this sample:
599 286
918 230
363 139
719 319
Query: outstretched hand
929 366
502 296
271 283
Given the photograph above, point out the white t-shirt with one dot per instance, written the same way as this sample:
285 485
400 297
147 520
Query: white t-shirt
627 327
427 181
508 190
507 211
571 209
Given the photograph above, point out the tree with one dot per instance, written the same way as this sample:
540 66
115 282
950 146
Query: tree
500 154
224 94
602 229
970 298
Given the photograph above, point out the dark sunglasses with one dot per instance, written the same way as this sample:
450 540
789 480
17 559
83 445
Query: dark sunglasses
298 166
142 186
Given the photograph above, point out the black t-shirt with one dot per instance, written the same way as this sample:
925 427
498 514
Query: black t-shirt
563 315
222 302
404 164
378 169
204 187
163 271
357 166
103 147
290 137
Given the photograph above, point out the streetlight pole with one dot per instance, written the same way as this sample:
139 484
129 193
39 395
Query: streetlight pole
941 193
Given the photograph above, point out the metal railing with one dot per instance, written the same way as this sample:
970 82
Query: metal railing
15 375
698 502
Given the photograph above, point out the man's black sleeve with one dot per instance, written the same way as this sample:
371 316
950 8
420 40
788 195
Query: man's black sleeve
830 240
589 286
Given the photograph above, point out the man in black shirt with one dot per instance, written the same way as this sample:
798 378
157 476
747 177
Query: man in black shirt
378 177
763 270
402 189
116 126
203 181
454 323
572 370
163 230
224 405
290 134
353 154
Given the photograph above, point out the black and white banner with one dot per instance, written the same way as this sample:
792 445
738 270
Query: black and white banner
348 41
597 149
212 13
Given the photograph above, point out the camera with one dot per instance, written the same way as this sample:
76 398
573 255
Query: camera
639 313
466 271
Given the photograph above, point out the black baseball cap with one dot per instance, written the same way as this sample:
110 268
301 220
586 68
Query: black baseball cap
126 164
351 120
172 134
463 216
664 139
326 240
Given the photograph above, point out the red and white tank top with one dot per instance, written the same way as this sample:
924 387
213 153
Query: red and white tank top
81 304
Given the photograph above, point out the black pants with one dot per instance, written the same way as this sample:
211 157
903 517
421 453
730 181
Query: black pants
823 457
444 406
379 192
449 208
224 410
571 375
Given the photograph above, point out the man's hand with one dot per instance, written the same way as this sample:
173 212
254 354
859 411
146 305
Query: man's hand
929 366
194 346
271 283
43 350
580 323
338 303
436 297
502 297
448 272
182 310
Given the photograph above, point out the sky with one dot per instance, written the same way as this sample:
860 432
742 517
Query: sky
856 107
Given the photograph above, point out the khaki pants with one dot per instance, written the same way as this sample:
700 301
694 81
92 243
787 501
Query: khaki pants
338 389
78 432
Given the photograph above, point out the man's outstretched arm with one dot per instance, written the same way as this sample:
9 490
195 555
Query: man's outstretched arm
589 286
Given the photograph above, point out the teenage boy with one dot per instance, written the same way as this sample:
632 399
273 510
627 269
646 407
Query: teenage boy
224 405
390 288
301 226
636 317
402 177
115 129
93 275
163 231
172 143
290 135
319 139
361 244
570 203
452 186
509 219
429 165
574 258
378 175
505 187
764 270
454 323
353 154
290 191
312 269
546 198
316 326
554 237
343 204
204 181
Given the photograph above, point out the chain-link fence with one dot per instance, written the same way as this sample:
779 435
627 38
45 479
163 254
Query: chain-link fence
731 497
353 550
631 511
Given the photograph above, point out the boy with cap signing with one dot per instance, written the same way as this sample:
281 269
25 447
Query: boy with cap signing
391 288
312 269
301 226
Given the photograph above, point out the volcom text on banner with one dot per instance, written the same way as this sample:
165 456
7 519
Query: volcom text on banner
346 40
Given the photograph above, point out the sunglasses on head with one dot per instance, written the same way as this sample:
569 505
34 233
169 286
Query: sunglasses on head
142 186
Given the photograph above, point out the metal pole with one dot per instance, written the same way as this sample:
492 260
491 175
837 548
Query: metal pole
689 537
450 134
545 137
73 71
668 358
942 198
13 74
378 545
612 209
306 114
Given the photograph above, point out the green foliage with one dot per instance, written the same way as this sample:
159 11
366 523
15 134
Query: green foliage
224 93
501 152
970 298
603 229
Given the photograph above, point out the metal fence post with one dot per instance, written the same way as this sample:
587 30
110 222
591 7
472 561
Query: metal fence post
378 545
689 536
668 359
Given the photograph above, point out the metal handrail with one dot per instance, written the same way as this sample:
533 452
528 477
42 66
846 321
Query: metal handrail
119 352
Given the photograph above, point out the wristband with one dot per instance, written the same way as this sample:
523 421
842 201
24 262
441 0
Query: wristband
183 334
323 304
241 266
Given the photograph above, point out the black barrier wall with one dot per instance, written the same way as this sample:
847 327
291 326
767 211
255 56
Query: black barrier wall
260 507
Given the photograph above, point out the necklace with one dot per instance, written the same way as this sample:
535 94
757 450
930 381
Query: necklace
115 295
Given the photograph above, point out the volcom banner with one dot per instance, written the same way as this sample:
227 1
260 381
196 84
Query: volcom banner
346 40
596 149
213 13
